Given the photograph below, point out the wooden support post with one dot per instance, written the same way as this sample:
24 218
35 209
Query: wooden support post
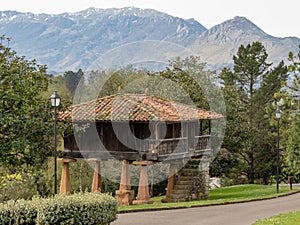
97 180
153 147
125 176
65 184
125 195
171 182
191 136
171 179
201 127
143 196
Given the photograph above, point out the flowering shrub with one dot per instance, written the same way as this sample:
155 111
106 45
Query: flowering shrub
17 186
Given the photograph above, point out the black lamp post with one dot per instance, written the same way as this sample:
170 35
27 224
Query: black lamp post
55 100
278 116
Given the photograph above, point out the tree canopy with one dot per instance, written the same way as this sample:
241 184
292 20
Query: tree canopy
249 90
289 95
24 114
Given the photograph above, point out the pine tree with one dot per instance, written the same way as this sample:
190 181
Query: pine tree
249 89
291 95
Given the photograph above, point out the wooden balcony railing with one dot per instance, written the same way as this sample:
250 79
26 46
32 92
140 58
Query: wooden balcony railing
202 143
165 147
152 149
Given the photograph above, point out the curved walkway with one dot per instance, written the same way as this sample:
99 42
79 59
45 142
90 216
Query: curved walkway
232 214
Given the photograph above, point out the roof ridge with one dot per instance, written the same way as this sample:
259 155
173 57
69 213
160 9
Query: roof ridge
93 100
144 107
136 107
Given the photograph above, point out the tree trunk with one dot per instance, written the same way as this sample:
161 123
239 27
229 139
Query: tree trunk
251 169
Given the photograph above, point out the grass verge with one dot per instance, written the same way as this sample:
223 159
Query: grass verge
232 194
282 219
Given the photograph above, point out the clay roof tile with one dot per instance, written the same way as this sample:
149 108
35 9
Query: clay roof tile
135 107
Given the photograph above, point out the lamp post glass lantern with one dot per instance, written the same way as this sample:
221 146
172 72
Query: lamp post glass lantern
278 116
55 101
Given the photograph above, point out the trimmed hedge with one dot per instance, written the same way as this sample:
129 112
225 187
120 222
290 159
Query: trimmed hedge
18 212
87 208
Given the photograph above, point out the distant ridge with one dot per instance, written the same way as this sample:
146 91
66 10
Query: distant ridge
70 41
220 42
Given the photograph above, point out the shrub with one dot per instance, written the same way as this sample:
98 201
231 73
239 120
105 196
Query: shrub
84 208
18 212
88 208
18 186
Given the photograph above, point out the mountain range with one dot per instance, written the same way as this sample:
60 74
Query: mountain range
70 41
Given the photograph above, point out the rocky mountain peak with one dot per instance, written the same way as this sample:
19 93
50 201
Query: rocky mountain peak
238 26
70 41
218 44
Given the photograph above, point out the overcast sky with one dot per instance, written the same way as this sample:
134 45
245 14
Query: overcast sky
275 17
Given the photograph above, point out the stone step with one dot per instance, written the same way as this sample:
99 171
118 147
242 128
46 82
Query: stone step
194 162
191 167
182 186
187 171
178 196
186 178
188 174
179 192
184 182
177 200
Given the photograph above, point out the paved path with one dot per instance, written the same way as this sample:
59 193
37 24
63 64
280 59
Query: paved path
233 214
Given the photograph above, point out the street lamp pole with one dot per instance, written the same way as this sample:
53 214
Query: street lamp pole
55 100
278 116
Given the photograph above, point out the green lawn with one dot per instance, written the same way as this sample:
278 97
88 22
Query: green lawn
218 196
292 218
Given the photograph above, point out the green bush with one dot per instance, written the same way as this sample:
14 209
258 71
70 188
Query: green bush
17 186
86 208
18 212
78 209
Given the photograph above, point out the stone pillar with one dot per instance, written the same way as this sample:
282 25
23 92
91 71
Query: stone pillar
97 181
125 195
204 189
143 196
65 184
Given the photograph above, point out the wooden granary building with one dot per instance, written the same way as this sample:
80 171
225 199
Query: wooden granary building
142 130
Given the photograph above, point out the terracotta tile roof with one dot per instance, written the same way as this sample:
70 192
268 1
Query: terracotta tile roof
135 107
